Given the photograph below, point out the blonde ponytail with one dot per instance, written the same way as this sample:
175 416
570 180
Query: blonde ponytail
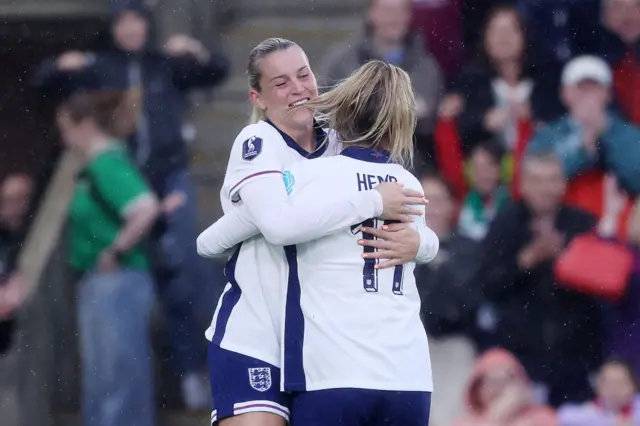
257 114
375 107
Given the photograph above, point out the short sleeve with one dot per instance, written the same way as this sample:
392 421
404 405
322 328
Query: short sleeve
117 180
255 154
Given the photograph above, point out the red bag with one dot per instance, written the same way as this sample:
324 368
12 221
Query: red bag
595 266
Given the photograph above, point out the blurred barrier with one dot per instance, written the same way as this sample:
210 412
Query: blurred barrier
28 376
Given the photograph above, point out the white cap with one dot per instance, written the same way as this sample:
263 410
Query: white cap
586 68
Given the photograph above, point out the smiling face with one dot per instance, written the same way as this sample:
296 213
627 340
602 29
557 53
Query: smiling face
286 81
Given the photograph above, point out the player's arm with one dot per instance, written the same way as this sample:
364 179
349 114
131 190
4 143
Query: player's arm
429 241
228 231
255 182
265 209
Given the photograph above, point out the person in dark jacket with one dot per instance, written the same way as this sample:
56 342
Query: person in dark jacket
15 200
387 36
552 330
500 88
448 302
561 29
159 149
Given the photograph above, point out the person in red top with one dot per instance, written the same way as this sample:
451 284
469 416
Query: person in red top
500 393
620 45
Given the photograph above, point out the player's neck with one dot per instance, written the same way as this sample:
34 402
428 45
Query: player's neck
304 136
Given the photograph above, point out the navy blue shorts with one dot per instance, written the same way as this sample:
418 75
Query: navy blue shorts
360 407
241 384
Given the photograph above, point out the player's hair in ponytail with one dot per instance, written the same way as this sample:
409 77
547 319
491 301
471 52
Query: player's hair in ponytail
375 107
114 112
262 50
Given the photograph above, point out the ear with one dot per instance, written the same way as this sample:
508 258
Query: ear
256 99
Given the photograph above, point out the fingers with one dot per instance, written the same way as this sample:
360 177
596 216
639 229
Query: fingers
388 264
414 212
415 201
398 218
413 193
377 244
376 232
395 227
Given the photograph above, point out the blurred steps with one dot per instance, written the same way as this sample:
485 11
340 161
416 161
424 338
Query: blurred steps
316 25
296 8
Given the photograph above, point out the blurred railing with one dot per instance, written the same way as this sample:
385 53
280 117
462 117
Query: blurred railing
29 375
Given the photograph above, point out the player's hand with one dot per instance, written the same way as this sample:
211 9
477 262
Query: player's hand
396 244
398 201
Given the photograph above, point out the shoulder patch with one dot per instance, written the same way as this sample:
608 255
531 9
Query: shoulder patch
251 148
289 181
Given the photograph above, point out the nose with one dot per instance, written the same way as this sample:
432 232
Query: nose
298 87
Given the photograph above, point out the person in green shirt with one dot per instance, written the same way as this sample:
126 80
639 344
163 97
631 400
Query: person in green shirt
111 211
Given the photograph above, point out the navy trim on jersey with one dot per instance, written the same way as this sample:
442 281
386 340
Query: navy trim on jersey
293 368
371 155
264 172
320 147
230 298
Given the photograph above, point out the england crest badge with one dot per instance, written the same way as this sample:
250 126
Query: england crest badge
251 148
260 378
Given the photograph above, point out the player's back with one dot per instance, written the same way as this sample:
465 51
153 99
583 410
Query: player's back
347 324
243 321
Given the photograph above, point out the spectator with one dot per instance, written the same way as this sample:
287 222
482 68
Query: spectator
622 317
552 330
487 194
590 141
474 14
617 402
561 29
619 44
110 212
15 199
500 89
448 305
500 393
160 150
387 36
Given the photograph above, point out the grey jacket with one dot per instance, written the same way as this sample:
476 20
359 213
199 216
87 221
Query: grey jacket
423 69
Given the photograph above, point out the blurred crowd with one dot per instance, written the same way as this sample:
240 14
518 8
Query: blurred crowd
529 156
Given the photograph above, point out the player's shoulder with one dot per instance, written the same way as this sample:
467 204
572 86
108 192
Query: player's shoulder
408 179
254 138
260 130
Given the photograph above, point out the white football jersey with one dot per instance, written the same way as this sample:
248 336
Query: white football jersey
346 324
242 321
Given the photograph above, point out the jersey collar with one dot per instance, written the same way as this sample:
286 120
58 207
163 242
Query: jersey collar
320 135
371 155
